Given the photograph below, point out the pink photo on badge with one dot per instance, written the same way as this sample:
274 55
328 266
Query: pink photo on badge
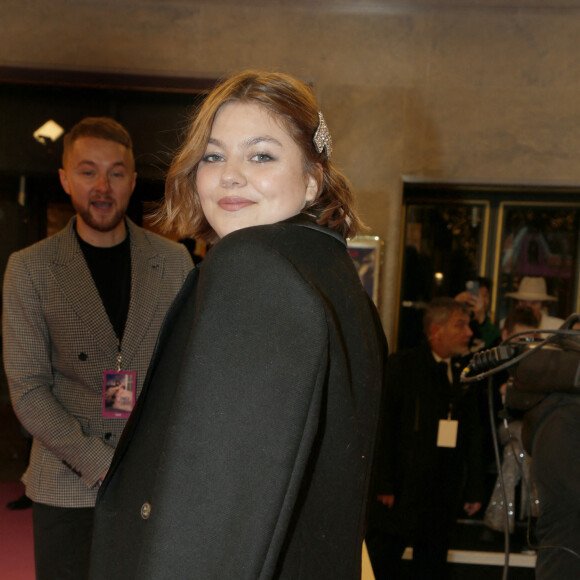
118 393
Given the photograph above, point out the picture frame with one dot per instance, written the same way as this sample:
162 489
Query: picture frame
367 253
538 239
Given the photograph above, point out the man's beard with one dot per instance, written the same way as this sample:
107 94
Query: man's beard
99 225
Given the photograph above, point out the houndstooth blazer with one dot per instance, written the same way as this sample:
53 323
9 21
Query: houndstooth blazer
58 340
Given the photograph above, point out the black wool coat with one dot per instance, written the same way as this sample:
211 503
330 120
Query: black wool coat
428 482
250 450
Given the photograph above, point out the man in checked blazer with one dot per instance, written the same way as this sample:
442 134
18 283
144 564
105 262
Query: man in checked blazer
79 307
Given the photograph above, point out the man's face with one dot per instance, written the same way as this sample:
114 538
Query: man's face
534 305
484 297
98 175
452 338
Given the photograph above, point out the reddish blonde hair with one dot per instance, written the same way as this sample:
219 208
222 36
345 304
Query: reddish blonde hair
292 103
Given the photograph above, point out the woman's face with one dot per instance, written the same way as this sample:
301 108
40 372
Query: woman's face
252 172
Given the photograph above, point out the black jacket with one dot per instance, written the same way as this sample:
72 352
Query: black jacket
420 475
250 450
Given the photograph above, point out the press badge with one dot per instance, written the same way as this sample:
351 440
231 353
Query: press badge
118 393
447 434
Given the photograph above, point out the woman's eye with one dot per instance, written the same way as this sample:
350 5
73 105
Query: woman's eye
262 157
211 157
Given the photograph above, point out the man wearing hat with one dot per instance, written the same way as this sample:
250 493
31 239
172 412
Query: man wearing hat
532 293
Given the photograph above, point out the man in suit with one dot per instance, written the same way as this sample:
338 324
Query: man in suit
430 433
82 308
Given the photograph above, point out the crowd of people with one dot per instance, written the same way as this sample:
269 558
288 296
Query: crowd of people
241 417
436 440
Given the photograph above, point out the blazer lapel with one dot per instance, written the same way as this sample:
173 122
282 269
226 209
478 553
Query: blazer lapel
147 268
82 296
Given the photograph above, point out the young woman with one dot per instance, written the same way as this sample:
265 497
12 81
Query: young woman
250 451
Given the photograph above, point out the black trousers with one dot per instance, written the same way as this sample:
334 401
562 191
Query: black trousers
429 535
62 542
385 552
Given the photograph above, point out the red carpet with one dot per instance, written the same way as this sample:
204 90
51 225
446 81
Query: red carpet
16 550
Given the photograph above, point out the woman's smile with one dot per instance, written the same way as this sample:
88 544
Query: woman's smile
234 203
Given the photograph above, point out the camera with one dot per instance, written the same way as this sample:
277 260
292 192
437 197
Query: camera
537 366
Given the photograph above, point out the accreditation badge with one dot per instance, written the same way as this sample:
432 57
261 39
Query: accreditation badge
119 389
447 434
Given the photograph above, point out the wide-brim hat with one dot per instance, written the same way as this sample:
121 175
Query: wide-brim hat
532 288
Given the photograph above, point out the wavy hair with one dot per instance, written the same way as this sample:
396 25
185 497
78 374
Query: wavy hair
292 103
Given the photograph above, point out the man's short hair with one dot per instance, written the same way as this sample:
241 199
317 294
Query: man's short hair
439 311
99 128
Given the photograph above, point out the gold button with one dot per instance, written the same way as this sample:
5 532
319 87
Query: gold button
146 510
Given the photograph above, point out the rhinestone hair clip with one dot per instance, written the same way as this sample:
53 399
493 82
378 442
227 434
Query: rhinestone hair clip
322 139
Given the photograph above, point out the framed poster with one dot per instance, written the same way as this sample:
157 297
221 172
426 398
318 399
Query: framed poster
366 253
538 239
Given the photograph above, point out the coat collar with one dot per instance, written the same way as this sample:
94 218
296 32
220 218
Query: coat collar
307 221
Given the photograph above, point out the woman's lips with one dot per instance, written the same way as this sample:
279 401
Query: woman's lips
234 203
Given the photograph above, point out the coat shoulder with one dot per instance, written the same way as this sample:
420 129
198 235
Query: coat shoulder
157 242
285 238
41 253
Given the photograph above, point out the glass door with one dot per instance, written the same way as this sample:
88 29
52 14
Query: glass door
444 246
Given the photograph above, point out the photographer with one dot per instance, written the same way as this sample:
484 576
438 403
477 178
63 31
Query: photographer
551 433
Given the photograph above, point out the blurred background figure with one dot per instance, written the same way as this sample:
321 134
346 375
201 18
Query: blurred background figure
477 296
430 455
532 293
551 434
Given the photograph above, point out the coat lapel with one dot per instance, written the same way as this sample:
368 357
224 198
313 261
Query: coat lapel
147 269
82 296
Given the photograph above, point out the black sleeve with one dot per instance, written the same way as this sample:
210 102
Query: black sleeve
244 418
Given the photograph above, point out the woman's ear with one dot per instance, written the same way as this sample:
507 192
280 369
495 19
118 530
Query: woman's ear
314 182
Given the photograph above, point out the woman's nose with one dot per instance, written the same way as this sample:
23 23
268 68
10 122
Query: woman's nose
232 175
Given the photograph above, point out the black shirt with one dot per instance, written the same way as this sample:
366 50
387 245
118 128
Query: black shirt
111 272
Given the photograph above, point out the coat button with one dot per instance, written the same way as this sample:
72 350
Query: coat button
83 356
108 436
146 510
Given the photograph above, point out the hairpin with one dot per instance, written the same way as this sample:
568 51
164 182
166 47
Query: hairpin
322 139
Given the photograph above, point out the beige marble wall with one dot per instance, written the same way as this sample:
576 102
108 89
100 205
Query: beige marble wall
436 89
